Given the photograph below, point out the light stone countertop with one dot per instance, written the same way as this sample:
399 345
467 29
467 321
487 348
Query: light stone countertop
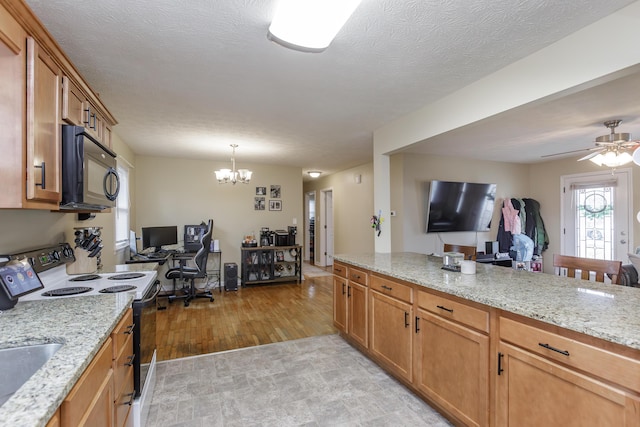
605 311
82 324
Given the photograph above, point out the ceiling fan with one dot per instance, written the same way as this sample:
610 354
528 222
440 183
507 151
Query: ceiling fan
613 149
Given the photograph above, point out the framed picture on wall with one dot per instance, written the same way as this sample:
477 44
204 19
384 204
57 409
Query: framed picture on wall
275 205
275 192
261 191
259 203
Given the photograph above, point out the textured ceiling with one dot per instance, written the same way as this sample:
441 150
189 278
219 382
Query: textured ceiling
188 78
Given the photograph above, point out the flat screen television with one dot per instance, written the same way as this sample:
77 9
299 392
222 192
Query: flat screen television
460 206
159 236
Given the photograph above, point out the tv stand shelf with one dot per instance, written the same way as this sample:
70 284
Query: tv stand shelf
271 264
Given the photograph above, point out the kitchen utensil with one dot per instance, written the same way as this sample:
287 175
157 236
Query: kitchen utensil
95 251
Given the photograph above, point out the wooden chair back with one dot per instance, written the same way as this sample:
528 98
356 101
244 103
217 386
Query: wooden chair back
468 251
587 266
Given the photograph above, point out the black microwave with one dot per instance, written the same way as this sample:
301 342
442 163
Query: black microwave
89 177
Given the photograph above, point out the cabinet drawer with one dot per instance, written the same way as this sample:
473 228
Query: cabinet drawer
122 336
602 363
82 395
391 288
122 365
123 401
340 270
448 309
358 276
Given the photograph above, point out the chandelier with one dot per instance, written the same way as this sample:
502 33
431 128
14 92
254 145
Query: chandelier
232 175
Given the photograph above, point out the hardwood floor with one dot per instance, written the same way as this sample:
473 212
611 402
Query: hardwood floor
249 317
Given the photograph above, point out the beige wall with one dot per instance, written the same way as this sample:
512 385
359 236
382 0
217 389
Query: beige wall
184 191
418 170
352 208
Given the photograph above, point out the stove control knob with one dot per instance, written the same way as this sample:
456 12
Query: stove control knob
32 261
55 255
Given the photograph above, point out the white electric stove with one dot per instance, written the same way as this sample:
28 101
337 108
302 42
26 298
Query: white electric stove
50 265
58 284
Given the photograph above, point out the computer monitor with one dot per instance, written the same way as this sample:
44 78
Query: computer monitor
157 237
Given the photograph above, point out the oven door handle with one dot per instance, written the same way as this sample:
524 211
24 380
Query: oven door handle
151 300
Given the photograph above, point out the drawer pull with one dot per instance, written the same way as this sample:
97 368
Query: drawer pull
417 324
548 347
406 319
450 310
130 328
339 270
386 288
500 368
348 291
130 362
356 276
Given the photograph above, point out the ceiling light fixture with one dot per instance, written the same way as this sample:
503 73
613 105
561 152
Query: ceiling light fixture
232 175
613 148
309 25
314 174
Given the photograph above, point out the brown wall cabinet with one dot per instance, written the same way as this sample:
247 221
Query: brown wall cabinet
40 91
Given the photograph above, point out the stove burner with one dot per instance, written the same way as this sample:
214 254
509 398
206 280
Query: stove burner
116 289
67 291
85 278
126 276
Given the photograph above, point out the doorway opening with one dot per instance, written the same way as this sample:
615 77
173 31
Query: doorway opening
310 222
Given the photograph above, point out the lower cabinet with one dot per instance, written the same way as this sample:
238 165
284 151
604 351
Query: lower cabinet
391 337
123 358
350 303
482 366
537 392
549 379
452 367
103 395
90 401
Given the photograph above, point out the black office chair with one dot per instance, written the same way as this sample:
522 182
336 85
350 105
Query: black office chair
190 274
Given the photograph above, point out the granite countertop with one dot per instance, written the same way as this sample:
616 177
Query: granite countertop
121 268
81 324
605 311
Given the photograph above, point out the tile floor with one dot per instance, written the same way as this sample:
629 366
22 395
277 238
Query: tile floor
318 381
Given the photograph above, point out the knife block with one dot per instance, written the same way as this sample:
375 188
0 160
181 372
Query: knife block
83 264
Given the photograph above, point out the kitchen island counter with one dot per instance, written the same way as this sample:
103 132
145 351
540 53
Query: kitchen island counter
81 324
604 311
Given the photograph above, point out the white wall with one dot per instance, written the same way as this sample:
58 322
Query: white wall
185 191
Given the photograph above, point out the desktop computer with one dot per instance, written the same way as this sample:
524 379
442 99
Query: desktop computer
230 276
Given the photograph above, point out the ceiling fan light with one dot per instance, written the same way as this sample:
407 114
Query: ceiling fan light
636 157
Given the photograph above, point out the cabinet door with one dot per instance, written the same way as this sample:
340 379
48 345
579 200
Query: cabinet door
357 313
72 103
533 391
452 367
43 131
340 303
391 333
12 108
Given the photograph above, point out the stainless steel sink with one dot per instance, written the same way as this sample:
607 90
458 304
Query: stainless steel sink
18 364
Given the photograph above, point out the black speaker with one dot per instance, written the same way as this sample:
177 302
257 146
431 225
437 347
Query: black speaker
230 276
490 247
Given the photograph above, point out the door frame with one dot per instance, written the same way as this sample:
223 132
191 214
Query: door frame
308 196
565 180
326 225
